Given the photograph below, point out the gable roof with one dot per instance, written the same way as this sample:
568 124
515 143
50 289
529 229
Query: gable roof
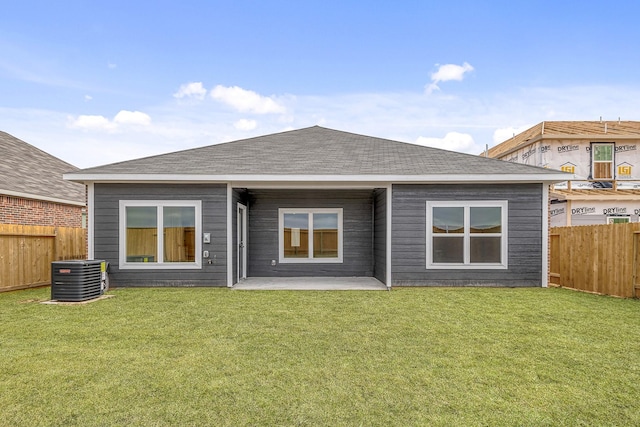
28 172
568 129
310 152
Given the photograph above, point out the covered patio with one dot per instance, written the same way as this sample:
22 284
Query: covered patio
302 237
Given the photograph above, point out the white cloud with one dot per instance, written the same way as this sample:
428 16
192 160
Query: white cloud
96 122
88 97
111 65
89 122
132 118
246 101
245 124
191 90
464 123
448 72
453 141
502 134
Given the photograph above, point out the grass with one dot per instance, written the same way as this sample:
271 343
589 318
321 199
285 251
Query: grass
525 357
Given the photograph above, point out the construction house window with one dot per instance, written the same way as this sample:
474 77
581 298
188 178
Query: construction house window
310 235
618 219
602 160
160 234
467 234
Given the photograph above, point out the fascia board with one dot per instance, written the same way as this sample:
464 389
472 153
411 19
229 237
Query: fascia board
448 178
39 197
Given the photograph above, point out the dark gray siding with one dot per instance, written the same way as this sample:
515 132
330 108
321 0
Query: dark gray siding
524 230
263 231
380 234
214 221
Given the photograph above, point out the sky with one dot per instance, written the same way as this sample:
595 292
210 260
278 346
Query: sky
96 82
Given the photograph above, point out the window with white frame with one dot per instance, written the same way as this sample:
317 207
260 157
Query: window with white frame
310 235
602 160
470 234
160 234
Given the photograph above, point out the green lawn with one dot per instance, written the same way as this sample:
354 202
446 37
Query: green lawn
516 357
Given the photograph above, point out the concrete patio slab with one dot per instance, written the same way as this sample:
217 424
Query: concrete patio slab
311 284
89 301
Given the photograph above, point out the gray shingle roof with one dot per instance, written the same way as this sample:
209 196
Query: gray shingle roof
316 151
26 170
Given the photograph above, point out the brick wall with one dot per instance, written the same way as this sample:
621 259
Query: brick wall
15 210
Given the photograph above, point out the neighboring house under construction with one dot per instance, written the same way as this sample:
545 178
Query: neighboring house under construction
603 156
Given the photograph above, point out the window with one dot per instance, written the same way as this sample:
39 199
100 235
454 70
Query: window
618 219
310 235
160 234
467 234
602 160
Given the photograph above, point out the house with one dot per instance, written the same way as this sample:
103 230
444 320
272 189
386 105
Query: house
317 202
604 157
32 190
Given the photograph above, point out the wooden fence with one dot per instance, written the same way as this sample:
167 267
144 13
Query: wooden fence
26 253
603 259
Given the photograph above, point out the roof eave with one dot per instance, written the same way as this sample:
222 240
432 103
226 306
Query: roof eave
40 197
551 177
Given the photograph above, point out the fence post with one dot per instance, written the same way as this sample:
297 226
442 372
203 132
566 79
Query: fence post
634 281
55 245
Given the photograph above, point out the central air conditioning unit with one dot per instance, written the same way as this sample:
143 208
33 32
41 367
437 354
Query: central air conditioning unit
78 280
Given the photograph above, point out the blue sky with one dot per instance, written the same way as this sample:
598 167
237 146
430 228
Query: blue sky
96 82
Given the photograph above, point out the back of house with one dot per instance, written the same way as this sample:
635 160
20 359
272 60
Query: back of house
317 202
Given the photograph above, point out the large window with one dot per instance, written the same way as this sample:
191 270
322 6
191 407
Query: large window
160 234
310 235
602 160
467 234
